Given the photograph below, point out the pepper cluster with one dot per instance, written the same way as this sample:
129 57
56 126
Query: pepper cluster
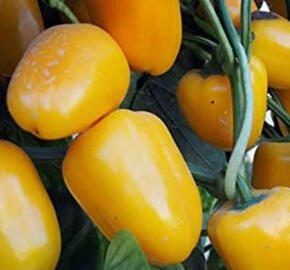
72 73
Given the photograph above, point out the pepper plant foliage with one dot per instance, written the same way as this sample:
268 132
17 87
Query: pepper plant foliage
84 247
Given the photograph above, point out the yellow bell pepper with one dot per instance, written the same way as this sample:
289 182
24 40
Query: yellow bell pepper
68 79
29 231
127 173
272 165
256 237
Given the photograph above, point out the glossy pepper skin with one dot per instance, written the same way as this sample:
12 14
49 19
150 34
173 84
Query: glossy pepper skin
272 45
257 237
271 165
79 8
149 32
234 8
29 231
206 103
284 97
71 76
127 173
20 23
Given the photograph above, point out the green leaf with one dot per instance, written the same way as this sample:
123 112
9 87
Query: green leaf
124 253
103 244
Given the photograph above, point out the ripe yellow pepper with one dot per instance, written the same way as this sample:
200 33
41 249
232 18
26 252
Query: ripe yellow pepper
127 173
206 103
20 23
29 231
272 165
70 77
272 45
149 32
256 237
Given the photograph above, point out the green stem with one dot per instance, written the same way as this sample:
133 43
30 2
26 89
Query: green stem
198 51
270 131
224 42
246 34
244 190
238 101
275 96
279 111
206 27
278 101
246 125
61 6
238 96
198 39
276 139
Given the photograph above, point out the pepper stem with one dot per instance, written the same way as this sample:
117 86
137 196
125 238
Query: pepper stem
221 35
206 27
244 190
246 33
200 40
279 110
197 50
247 111
277 139
61 6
